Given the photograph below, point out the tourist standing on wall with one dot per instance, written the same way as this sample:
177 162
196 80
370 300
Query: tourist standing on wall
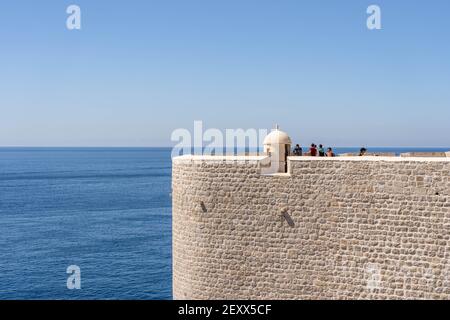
362 152
298 151
321 151
313 150
330 152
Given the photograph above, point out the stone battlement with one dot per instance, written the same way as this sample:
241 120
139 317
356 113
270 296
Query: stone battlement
262 158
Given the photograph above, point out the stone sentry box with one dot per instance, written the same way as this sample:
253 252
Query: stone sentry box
277 146
330 228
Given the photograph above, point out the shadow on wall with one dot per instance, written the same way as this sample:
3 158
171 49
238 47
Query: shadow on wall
202 205
287 217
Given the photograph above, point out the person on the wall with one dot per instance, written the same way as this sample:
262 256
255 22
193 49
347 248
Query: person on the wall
313 150
321 151
298 151
330 153
362 152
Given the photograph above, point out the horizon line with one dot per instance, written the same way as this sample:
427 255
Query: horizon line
143 147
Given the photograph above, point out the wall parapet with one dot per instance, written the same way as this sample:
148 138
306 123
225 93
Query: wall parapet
262 158
372 158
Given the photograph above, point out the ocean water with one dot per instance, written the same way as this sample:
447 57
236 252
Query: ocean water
106 210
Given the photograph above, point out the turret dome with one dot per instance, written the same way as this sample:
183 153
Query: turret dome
277 137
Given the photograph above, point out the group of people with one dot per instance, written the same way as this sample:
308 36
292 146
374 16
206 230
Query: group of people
313 151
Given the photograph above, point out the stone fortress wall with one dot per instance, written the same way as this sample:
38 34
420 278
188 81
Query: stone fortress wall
330 228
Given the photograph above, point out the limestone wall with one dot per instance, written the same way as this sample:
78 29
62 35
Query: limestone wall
339 228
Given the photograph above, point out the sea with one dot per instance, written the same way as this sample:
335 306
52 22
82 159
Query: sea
106 211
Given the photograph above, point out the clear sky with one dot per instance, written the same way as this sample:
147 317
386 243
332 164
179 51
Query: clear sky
139 69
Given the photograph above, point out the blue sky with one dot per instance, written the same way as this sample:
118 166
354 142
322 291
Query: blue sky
140 69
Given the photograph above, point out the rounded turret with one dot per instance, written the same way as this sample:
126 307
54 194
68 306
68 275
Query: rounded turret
277 145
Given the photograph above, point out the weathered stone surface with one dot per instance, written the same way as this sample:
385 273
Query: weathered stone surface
423 154
335 229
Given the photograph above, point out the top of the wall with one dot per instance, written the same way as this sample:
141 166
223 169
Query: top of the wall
238 158
372 158
254 158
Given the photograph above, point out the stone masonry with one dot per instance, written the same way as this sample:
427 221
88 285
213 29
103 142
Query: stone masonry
330 228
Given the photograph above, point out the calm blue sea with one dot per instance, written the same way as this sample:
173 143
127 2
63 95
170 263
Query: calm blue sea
107 210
